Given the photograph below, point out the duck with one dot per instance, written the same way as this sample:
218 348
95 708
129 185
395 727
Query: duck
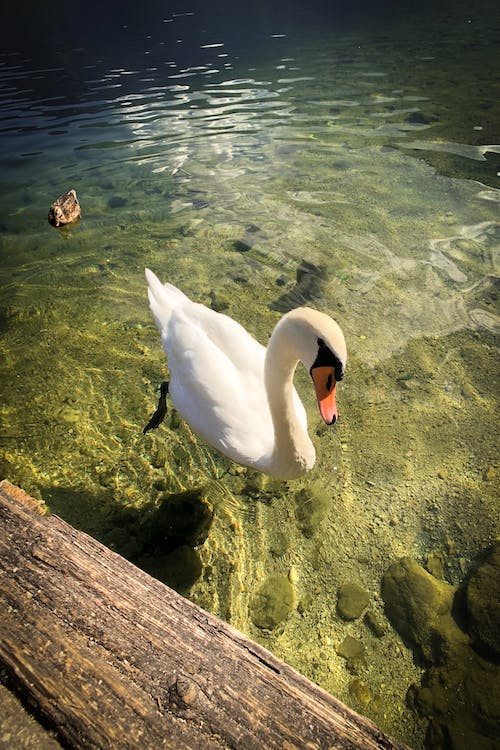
65 209
237 394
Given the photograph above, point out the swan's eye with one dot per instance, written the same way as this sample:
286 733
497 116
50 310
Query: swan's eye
326 358
329 383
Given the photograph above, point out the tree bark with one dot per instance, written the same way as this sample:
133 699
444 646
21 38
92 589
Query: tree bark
111 658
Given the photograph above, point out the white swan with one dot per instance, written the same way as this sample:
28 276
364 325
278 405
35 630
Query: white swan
238 395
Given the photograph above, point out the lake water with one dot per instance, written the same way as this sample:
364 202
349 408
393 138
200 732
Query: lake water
345 158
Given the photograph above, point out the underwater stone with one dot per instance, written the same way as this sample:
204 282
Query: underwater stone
305 602
272 602
359 691
435 564
241 247
69 415
218 302
353 652
375 624
117 201
293 575
313 505
461 700
159 457
419 606
468 391
352 600
279 543
417 118
175 419
459 692
489 474
483 603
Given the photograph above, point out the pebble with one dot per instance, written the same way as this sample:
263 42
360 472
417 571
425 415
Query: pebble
375 624
293 575
159 457
352 600
353 652
359 691
467 390
69 415
272 602
489 474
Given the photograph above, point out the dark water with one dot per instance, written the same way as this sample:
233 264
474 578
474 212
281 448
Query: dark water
340 156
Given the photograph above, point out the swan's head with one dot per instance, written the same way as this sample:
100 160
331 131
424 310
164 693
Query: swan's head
321 347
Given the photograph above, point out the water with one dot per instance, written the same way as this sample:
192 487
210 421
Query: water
343 158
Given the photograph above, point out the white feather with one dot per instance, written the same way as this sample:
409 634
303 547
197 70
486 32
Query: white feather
218 384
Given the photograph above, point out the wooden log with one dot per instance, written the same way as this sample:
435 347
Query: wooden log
111 658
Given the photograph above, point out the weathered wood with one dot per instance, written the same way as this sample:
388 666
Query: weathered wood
110 657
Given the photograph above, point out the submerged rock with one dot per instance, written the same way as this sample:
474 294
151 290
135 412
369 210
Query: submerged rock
352 601
483 604
353 652
460 699
272 602
459 690
374 623
313 504
418 606
435 563
159 457
359 691
117 201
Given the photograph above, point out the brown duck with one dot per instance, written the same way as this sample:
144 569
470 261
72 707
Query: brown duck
65 209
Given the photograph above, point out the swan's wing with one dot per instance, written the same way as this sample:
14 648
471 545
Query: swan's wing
228 335
163 299
216 374
224 401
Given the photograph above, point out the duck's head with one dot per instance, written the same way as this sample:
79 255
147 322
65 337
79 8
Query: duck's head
322 349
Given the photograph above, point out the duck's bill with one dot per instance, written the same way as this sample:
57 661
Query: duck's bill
324 385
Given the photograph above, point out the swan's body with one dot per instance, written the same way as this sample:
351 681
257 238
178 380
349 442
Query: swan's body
238 395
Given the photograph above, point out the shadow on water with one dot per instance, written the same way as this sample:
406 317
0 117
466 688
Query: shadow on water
310 279
161 537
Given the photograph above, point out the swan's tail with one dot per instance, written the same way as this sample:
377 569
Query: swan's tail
162 299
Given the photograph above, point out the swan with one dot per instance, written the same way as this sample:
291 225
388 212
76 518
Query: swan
237 394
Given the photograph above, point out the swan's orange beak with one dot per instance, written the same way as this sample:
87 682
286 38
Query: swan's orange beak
325 384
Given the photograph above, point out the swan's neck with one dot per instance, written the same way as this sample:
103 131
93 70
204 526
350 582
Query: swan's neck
294 452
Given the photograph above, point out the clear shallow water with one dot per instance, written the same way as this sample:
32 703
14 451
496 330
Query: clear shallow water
343 161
